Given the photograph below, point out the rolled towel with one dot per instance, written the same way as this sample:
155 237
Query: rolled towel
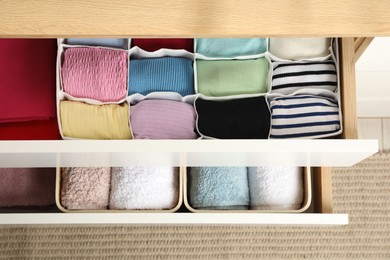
232 77
80 120
275 188
27 79
304 116
85 188
230 47
163 119
167 74
95 73
32 130
218 187
299 48
246 118
163 43
149 188
27 187
103 42
290 77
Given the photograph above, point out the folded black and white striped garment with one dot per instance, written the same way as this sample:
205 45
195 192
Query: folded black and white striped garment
304 116
289 77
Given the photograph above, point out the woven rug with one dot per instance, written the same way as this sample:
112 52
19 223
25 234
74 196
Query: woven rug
362 191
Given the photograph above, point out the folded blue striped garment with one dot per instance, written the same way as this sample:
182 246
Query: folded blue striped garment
289 77
304 116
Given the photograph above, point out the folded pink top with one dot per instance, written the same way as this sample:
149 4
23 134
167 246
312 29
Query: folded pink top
27 187
163 119
27 79
95 73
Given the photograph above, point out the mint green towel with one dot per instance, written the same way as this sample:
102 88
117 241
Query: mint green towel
232 77
230 47
219 187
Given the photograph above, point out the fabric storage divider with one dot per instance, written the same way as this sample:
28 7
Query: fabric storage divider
63 209
307 197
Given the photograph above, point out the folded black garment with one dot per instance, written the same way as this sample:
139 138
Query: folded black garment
245 118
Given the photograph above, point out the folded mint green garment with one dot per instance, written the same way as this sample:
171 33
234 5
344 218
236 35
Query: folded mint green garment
232 77
230 47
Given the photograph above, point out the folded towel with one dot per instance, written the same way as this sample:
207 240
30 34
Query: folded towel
32 130
95 73
149 188
275 188
289 77
303 116
80 120
85 188
164 43
246 118
230 47
232 77
299 48
214 187
27 79
163 119
27 187
106 42
168 74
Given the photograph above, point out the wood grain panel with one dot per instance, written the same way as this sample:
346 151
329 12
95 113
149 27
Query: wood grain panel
322 190
186 18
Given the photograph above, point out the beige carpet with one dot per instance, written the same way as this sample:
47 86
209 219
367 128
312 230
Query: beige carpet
362 191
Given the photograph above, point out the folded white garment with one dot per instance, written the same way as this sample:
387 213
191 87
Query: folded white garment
275 188
299 48
144 188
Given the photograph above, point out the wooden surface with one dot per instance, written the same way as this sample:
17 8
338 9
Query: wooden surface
173 18
322 190
348 88
361 44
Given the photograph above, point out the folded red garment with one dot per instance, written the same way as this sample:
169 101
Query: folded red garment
32 130
156 44
27 187
27 79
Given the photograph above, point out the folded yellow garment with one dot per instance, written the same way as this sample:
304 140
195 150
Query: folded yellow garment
80 120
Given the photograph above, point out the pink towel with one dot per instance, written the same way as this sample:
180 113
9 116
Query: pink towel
95 73
85 188
163 119
27 187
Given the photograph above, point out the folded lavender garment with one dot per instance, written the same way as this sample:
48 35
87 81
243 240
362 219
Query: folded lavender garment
85 187
103 42
95 73
27 187
163 119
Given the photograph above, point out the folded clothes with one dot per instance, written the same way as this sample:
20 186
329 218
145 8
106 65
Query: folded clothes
304 116
85 188
102 42
289 77
154 44
163 119
299 48
32 130
27 79
230 47
95 73
275 188
27 187
167 74
218 187
149 188
246 118
80 120
232 77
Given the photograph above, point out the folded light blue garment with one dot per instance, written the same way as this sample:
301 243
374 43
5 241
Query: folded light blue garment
230 47
167 74
106 42
218 187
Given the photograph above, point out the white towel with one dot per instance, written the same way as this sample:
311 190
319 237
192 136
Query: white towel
275 188
144 188
299 48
